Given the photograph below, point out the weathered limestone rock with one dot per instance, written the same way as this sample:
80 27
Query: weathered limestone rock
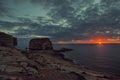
13 64
7 40
16 66
40 44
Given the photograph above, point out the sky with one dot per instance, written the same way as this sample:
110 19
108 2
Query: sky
61 20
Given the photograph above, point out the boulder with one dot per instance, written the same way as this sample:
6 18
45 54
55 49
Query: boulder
7 40
40 44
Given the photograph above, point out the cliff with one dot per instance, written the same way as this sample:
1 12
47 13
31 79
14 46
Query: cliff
14 65
40 44
7 40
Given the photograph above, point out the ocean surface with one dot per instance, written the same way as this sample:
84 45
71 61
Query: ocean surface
104 58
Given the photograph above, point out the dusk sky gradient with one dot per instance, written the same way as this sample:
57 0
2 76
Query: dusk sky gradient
61 19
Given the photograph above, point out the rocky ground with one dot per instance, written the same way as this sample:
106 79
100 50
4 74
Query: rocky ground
16 64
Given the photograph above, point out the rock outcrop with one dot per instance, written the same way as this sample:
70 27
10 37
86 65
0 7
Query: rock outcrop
14 65
40 44
63 50
7 40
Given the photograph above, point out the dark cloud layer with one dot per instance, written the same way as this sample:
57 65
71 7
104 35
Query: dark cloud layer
3 9
104 13
83 15
27 27
84 19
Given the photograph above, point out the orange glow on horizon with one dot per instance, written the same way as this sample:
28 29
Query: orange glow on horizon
99 43
92 41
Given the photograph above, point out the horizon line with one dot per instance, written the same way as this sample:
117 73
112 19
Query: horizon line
92 43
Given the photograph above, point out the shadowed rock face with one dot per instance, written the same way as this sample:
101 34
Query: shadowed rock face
40 44
7 40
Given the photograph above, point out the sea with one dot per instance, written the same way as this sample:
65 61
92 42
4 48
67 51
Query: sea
104 58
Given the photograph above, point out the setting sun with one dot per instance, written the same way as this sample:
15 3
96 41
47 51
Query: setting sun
100 42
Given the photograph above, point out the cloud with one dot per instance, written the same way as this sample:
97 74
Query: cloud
52 2
20 1
77 14
28 27
8 25
69 19
4 11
